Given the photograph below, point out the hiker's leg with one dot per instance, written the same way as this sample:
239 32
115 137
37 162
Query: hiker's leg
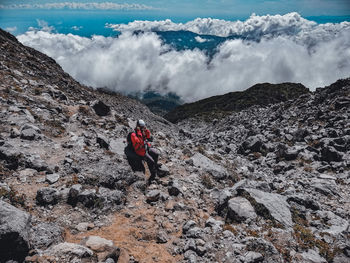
151 166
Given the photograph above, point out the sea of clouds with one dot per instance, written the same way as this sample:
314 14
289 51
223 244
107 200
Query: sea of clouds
288 48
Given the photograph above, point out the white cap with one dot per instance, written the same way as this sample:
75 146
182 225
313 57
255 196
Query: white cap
141 123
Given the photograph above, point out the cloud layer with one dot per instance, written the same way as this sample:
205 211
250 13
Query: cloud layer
136 62
78 5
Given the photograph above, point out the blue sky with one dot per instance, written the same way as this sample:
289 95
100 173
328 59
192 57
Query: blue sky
213 7
90 17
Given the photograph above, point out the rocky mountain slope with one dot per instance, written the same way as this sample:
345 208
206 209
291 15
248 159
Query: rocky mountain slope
259 94
266 184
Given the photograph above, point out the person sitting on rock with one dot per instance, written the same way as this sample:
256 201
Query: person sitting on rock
139 149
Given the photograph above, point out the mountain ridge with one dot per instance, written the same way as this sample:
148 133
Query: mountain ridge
259 94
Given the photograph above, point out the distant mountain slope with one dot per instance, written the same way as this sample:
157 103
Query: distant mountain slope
259 94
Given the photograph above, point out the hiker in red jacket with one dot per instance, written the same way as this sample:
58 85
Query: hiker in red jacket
139 149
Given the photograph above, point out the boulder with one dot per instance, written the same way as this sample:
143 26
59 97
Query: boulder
30 132
252 144
47 196
240 210
14 233
69 252
11 155
269 205
100 108
34 161
104 248
44 235
88 198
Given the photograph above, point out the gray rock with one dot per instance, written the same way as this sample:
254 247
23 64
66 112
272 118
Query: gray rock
194 232
11 155
14 133
14 233
29 134
73 194
104 248
188 225
163 171
174 188
201 161
153 196
304 201
47 196
252 144
52 178
240 209
44 235
69 252
88 198
114 197
162 237
253 257
272 206
311 256
34 161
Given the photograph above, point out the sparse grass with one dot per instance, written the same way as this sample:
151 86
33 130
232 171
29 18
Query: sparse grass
58 130
84 110
207 181
18 89
37 91
13 196
201 150
252 233
231 228
298 218
110 153
306 240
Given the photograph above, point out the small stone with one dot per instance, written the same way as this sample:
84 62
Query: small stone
47 196
153 196
14 133
52 178
174 188
253 257
163 171
102 141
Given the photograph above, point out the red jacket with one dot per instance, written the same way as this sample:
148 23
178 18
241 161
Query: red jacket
138 141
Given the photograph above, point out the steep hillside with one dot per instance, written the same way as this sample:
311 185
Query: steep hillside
266 184
259 94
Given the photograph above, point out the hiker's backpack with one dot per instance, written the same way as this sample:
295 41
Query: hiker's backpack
128 139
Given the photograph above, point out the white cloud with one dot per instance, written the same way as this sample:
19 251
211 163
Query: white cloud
136 62
76 28
11 29
255 26
78 5
200 39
